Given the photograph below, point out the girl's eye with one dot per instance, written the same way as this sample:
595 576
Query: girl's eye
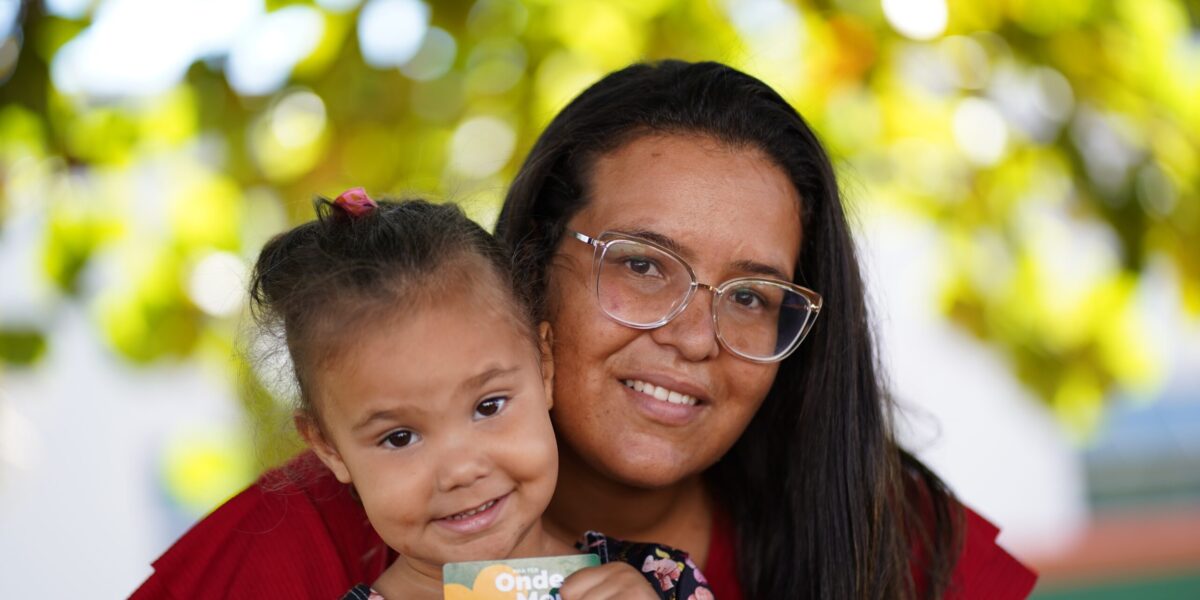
399 438
490 407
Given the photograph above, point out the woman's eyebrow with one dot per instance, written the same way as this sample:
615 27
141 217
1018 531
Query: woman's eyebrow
757 268
746 266
662 240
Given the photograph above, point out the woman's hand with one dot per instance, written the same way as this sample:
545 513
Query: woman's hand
607 582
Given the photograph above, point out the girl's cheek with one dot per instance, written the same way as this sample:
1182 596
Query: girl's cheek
532 451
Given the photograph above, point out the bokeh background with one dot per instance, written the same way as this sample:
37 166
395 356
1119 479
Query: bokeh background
1023 177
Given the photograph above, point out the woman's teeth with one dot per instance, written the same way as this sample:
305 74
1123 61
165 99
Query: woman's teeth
660 393
474 511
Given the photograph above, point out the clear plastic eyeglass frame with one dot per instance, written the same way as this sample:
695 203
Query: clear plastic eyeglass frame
601 244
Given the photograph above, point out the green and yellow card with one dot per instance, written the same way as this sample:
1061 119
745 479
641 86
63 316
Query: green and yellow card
514 579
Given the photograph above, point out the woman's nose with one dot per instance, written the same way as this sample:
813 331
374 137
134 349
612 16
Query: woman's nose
461 463
692 332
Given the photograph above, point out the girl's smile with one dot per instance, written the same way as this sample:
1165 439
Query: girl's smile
474 520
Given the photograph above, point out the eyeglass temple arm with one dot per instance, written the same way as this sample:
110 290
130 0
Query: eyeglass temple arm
591 241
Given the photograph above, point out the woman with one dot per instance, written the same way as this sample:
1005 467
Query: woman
772 462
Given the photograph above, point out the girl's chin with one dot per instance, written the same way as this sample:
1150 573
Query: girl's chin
467 553
497 546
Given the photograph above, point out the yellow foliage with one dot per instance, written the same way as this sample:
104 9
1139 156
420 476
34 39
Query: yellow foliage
202 469
205 209
136 187
170 120
22 134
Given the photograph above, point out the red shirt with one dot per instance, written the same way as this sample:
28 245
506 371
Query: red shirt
283 539
984 569
276 539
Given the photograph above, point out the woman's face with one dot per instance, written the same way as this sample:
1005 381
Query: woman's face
730 212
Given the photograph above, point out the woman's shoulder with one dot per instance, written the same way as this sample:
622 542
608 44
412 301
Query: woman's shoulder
984 568
670 570
296 531
955 538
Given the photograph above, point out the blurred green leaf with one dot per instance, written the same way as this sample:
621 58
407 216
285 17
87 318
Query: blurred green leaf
21 347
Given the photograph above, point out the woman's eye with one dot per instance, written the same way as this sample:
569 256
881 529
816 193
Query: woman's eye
399 438
747 298
490 406
641 266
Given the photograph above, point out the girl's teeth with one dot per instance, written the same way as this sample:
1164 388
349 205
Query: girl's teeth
660 393
473 511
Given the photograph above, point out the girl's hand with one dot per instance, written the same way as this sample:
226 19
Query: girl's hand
608 582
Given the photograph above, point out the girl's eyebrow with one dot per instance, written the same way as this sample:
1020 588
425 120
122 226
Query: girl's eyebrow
377 415
471 383
748 266
478 381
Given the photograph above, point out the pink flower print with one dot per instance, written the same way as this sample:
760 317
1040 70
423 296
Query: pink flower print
701 593
696 572
666 570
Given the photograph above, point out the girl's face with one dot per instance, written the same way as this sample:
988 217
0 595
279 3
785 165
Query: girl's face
440 420
730 212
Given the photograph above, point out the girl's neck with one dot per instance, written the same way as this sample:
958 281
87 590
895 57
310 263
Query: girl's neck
410 580
679 515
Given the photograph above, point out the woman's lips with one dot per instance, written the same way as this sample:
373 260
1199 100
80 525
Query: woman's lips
661 404
659 392
475 519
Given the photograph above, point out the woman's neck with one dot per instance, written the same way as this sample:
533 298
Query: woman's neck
679 515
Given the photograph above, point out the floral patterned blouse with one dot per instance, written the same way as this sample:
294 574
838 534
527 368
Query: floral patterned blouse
671 572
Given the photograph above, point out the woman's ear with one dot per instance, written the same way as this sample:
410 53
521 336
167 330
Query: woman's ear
310 430
546 346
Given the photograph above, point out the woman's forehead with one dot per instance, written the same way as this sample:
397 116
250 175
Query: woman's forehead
690 193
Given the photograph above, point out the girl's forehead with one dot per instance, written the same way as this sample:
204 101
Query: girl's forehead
434 362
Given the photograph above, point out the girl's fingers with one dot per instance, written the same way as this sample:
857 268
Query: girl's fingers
607 582
579 585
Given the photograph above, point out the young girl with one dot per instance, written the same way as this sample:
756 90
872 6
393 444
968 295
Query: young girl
424 385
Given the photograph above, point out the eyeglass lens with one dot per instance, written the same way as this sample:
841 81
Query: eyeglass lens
642 286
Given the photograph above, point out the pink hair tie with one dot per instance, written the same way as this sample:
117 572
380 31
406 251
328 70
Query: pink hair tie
355 202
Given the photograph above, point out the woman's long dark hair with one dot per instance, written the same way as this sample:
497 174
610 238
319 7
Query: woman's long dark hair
823 501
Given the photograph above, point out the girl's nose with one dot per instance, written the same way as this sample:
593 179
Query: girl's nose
461 465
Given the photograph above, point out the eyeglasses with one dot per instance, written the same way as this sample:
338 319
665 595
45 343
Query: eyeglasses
642 285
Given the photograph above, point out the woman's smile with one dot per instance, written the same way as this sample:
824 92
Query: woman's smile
661 393
664 399
663 411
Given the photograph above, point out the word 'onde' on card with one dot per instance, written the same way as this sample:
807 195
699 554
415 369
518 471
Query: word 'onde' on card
512 579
